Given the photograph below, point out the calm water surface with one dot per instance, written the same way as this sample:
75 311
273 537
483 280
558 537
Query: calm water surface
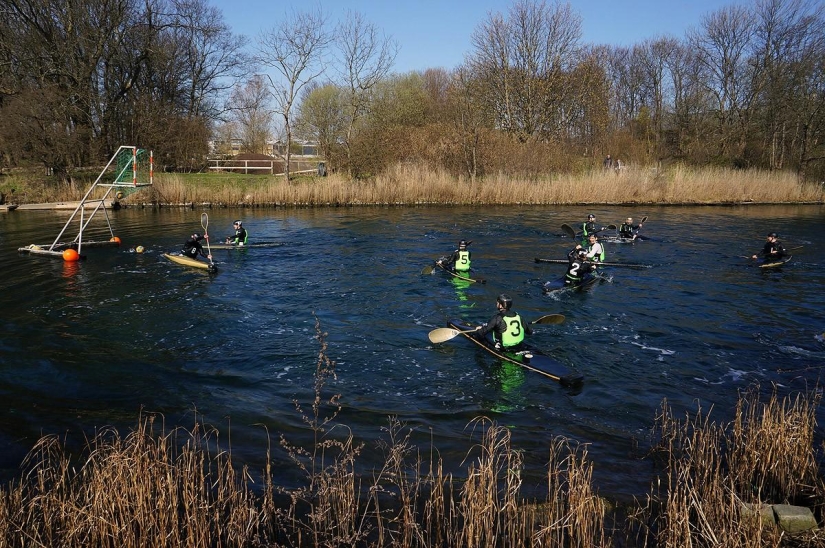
90 344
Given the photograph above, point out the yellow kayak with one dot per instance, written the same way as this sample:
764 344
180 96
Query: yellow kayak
186 261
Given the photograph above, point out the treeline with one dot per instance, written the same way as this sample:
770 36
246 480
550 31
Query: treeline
744 89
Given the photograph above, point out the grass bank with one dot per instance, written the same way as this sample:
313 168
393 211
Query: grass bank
175 488
413 184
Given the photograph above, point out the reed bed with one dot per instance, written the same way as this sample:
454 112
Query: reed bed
182 488
719 476
410 184
413 184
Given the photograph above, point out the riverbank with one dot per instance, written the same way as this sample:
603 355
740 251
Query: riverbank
416 185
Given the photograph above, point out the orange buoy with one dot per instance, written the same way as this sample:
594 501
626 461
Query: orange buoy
115 239
71 255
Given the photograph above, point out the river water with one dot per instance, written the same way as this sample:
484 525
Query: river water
91 344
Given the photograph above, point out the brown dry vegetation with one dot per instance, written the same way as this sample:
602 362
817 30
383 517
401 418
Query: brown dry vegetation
414 184
182 488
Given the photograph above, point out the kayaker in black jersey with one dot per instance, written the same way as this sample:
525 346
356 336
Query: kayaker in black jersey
628 230
773 250
577 267
240 237
507 327
459 261
192 247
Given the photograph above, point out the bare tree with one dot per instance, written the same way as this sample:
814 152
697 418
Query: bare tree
366 57
524 59
250 107
724 45
295 49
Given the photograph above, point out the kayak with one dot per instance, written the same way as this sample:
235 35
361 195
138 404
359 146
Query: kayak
620 240
195 263
588 280
233 246
455 274
775 264
529 357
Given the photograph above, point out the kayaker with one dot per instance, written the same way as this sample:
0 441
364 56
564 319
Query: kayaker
589 227
595 250
507 327
240 237
773 250
459 261
627 230
577 267
192 247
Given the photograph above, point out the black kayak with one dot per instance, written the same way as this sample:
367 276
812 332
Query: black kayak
588 280
528 357
460 275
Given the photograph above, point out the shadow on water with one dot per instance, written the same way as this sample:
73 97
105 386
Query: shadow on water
90 344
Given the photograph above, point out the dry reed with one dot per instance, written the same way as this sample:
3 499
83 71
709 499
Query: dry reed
153 488
411 184
718 477
180 488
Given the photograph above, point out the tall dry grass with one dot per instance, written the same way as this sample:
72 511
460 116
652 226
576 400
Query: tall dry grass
181 488
412 184
718 476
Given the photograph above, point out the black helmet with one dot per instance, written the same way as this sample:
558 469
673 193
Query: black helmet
196 236
462 244
591 217
237 223
582 253
505 301
772 235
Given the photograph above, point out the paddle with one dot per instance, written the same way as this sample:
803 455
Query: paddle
443 334
565 261
568 230
643 221
608 227
205 225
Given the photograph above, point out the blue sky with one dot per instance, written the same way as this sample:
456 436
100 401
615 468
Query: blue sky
436 33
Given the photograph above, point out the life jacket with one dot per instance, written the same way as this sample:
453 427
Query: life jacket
462 264
602 255
626 231
514 333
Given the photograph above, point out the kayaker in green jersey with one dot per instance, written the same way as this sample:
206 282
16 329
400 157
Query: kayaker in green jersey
507 326
241 235
459 261
595 250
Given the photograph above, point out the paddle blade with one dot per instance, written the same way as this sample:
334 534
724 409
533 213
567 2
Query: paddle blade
612 227
427 270
551 319
568 230
442 334
644 220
